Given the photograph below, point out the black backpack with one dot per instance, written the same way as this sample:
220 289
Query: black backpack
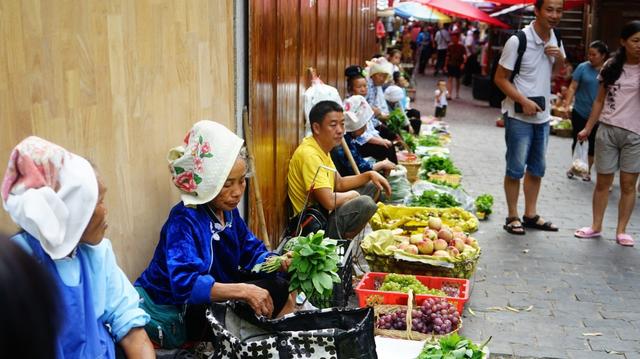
496 97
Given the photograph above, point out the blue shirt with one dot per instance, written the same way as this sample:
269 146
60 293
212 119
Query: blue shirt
375 98
115 301
587 78
195 252
342 163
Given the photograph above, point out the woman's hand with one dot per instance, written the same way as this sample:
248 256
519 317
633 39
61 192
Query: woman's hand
259 300
584 134
284 266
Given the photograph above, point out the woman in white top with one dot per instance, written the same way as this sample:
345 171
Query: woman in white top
618 138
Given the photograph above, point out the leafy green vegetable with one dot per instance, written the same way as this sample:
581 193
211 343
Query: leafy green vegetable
429 141
437 163
409 140
563 125
433 198
396 120
453 346
484 203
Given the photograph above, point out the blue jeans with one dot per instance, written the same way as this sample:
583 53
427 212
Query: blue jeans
526 147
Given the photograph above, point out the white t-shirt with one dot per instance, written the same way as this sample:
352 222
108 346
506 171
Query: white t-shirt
442 39
534 78
622 102
441 101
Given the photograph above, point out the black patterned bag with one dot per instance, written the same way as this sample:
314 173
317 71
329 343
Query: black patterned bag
332 333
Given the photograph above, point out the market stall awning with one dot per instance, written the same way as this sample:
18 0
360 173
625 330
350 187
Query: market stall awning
420 12
568 4
463 10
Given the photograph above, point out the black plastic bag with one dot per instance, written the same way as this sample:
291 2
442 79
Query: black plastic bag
328 333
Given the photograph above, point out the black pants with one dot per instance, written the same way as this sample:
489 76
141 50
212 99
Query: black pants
378 152
578 122
414 120
386 133
425 54
442 56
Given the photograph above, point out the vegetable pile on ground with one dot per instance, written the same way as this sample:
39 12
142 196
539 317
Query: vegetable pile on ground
435 316
453 346
403 282
483 204
443 183
313 269
429 141
433 198
439 164
396 120
563 125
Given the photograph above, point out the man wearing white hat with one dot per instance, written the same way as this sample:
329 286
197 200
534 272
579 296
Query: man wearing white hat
313 180
357 116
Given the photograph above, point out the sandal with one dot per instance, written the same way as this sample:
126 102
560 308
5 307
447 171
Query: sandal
624 239
586 178
533 223
586 232
513 225
570 174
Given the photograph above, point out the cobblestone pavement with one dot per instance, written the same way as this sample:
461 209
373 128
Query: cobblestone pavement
571 298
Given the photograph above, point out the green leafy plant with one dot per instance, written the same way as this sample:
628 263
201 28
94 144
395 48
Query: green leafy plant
484 203
436 163
429 141
313 268
409 140
453 346
433 198
396 120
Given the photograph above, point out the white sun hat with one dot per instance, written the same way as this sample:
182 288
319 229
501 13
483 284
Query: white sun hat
201 166
357 113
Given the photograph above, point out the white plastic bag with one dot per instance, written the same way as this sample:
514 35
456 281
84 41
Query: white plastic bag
580 164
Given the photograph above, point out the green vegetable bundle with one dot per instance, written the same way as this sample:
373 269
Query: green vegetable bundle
403 282
396 120
429 141
437 163
410 140
433 198
453 346
484 203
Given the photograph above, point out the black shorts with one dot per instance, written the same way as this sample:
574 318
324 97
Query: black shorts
441 111
453 71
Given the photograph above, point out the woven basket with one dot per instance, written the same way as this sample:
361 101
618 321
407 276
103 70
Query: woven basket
388 264
412 169
383 309
452 179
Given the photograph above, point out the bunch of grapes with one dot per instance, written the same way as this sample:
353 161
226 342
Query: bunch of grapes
403 282
396 320
451 289
434 316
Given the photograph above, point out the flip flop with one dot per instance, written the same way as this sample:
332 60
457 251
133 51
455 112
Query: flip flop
532 222
570 174
624 239
586 232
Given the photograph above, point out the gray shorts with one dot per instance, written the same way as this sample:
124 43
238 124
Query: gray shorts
353 214
617 148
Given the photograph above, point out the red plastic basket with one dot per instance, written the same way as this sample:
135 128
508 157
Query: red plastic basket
368 295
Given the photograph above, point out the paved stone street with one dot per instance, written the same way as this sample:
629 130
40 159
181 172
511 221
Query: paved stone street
568 297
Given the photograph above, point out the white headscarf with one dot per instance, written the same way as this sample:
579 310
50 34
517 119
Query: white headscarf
51 193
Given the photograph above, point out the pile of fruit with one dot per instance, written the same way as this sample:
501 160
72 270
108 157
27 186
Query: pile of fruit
435 316
415 219
437 240
405 282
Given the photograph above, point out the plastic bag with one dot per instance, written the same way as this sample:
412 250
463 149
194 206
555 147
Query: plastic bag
400 185
466 202
580 164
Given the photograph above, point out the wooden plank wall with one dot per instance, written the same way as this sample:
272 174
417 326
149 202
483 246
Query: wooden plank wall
285 38
120 82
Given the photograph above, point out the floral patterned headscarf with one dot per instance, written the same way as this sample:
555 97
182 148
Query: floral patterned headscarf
201 166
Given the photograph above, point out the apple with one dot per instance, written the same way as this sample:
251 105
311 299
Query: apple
403 246
441 253
435 223
425 246
411 248
446 234
430 234
453 251
439 244
415 238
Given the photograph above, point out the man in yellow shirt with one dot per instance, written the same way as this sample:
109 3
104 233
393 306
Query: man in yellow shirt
350 200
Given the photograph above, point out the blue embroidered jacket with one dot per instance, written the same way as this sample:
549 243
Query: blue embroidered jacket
195 251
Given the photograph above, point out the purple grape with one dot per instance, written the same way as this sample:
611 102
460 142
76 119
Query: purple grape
437 321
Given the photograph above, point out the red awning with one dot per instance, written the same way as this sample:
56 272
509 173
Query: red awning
463 10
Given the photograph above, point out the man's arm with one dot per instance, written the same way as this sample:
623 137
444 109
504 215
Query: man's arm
136 344
509 89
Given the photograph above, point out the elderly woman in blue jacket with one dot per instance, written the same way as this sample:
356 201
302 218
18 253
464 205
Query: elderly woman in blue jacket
58 201
206 251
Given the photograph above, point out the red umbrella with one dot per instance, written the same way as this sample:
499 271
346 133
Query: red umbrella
464 10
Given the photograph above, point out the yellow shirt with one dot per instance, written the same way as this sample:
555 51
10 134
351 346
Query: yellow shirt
302 168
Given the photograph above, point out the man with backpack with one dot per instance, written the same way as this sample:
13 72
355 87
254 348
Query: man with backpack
524 76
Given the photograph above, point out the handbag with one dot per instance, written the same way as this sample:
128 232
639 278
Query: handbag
166 326
312 219
329 333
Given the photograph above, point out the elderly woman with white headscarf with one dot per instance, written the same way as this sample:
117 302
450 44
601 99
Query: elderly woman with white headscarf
57 199
206 251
